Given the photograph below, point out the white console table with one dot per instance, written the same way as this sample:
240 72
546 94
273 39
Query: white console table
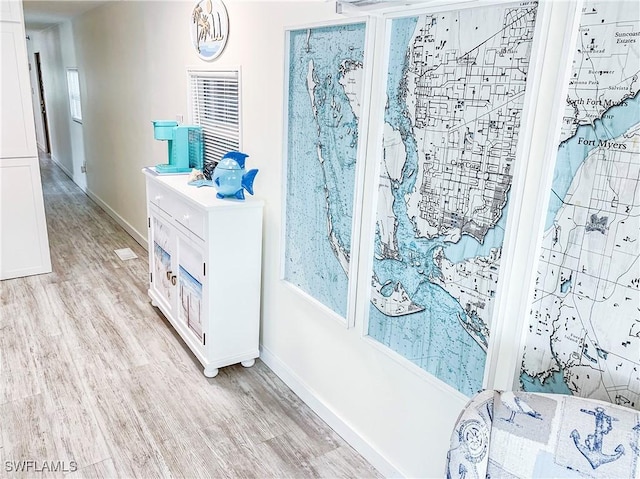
205 257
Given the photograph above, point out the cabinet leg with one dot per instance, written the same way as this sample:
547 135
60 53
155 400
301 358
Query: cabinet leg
249 363
154 304
211 373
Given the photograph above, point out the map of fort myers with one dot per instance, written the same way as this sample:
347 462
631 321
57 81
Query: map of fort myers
455 92
584 333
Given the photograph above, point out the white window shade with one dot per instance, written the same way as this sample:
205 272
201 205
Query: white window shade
215 106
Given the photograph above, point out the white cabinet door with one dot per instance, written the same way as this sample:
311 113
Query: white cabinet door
17 128
191 287
177 282
24 242
162 259
10 11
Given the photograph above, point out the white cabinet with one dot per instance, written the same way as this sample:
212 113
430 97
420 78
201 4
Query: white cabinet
18 134
11 10
205 257
24 243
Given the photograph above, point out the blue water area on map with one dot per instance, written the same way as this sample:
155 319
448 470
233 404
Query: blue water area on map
554 384
573 151
319 192
433 339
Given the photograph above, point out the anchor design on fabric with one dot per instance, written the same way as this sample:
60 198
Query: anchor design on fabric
592 447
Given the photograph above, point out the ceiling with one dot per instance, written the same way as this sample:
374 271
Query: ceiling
39 15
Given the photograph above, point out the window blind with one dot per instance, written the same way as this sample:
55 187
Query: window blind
215 106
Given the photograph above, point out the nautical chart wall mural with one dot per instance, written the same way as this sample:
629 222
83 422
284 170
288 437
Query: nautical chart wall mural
455 93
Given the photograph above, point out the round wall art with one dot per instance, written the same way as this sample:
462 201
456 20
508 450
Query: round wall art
209 28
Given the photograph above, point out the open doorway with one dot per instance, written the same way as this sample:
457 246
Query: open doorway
43 107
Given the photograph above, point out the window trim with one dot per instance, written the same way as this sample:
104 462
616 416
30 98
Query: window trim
73 94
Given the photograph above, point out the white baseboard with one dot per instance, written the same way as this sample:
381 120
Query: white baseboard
142 240
60 165
343 428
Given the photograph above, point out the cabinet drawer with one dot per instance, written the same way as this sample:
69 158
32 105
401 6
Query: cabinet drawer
183 212
188 216
159 196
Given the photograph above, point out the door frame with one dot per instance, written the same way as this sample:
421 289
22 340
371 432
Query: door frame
43 106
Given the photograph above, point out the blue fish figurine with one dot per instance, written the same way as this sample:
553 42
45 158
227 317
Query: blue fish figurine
230 178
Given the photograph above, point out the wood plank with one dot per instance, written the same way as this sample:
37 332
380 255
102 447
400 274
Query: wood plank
233 449
186 455
101 470
295 452
17 367
343 462
77 436
59 380
134 451
28 445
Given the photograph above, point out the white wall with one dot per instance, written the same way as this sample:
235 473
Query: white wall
76 135
401 420
137 76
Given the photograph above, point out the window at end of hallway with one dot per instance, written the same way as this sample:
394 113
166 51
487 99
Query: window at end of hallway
73 86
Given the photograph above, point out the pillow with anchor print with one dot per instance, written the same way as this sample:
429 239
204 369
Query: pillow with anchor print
599 439
537 435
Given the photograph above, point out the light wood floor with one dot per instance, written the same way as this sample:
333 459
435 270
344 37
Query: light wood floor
92 377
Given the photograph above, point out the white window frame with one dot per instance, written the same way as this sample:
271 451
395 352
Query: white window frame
215 105
73 90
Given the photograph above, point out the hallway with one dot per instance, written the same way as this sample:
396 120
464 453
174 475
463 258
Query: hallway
94 380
